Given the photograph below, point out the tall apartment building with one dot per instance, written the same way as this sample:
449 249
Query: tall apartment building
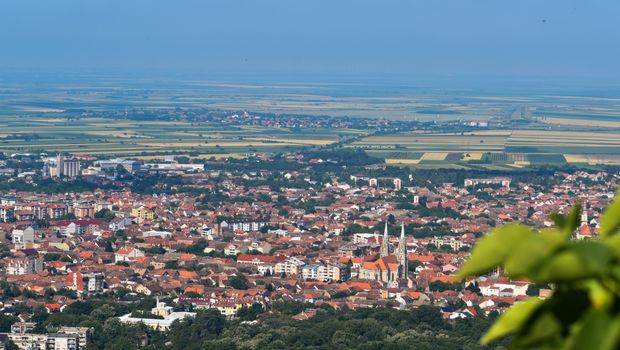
67 338
326 273
291 266
27 261
62 167
52 341
85 282
70 168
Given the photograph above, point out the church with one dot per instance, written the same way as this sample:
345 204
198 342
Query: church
389 268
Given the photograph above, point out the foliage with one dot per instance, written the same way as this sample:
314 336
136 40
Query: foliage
238 282
105 214
196 248
584 308
372 328
249 313
51 257
439 286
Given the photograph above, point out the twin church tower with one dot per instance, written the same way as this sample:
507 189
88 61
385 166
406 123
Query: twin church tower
390 268
400 253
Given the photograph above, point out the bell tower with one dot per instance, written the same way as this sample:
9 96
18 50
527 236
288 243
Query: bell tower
385 249
403 262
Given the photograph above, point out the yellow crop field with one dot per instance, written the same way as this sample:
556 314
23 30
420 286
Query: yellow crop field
402 161
434 156
522 163
593 158
581 122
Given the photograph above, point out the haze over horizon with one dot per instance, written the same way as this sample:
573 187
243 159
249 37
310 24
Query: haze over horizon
397 40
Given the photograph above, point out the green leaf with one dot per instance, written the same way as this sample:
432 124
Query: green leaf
543 330
493 249
564 266
568 223
600 297
558 219
525 259
597 330
573 219
596 255
512 320
581 260
610 221
613 243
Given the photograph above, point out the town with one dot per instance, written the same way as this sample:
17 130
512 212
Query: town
331 229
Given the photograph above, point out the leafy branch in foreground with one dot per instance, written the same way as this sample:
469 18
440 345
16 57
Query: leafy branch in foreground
584 309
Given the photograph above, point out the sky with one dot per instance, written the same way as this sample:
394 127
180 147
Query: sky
295 39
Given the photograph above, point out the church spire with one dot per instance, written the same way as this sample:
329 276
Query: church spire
403 261
385 251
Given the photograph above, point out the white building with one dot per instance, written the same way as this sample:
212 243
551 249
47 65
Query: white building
291 266
23 236
161 310
325 273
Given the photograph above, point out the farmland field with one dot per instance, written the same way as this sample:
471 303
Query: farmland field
512 147
524 128
101 136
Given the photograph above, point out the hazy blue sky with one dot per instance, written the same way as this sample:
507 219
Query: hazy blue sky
562 38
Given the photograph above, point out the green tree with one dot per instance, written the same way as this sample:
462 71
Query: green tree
250 313
238 282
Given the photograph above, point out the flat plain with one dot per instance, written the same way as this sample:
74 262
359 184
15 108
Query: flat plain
523 129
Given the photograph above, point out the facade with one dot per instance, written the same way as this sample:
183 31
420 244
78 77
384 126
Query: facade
455 244
84 210
22 327
62 167
21 237
326 273
24 265
504 181
397 184
7 213
70 168
128 253
119 223
29 341
162 310
131 166
67 338
291 266
60 341
85 283
56 211
245 226
142 213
